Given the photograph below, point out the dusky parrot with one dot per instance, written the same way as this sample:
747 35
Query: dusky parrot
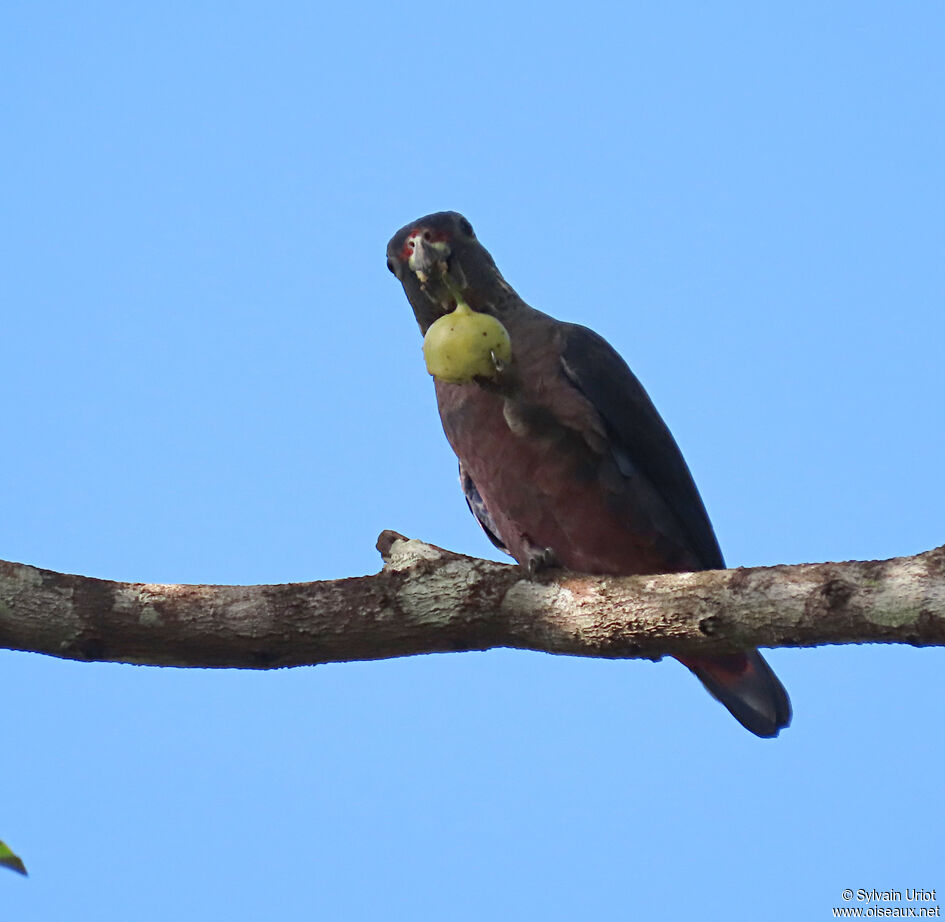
562 456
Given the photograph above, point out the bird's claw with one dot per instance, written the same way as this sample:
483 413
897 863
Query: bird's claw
538 560
497 363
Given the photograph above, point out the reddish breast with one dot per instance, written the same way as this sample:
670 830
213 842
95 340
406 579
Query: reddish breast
554 484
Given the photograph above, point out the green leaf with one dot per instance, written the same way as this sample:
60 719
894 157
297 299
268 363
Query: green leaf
10 860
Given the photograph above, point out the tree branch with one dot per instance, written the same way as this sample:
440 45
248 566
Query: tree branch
429 600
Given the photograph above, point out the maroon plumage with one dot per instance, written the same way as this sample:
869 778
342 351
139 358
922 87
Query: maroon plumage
563 457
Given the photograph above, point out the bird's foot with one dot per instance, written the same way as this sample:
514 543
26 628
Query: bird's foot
537 559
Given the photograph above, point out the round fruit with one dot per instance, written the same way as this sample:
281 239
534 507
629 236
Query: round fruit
460 345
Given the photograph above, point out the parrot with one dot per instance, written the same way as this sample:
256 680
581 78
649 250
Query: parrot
563 458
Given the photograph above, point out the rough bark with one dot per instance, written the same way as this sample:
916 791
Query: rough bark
429 600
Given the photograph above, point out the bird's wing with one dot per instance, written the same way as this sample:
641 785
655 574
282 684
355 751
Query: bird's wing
641 442
478 508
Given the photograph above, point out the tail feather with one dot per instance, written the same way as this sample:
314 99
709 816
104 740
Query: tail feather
748 687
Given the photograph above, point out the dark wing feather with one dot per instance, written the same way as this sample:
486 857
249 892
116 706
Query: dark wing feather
639 436
478 508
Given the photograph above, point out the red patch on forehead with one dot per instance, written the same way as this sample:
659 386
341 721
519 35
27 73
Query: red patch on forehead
431 236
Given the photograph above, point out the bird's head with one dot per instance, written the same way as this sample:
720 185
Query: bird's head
437 259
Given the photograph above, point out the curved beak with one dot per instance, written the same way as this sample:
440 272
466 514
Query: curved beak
425 254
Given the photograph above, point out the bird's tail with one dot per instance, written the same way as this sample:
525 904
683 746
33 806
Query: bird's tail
748 687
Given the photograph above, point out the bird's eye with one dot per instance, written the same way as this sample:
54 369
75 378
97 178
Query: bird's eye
427 236
466 228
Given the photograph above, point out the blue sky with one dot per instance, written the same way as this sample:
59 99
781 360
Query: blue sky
210 376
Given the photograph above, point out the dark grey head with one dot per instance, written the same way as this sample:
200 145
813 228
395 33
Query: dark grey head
421 253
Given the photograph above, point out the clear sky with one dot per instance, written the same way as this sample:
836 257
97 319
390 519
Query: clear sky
209 376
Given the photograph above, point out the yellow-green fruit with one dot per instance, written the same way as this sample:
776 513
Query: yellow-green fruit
460 345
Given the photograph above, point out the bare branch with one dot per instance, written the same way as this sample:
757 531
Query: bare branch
429 600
